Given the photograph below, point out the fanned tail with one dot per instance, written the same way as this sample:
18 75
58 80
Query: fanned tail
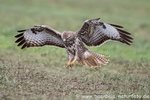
92 59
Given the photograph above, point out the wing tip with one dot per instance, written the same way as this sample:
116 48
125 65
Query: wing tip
126 40
123 31
125 37
24 46
117 26
23 30
18 35
20 39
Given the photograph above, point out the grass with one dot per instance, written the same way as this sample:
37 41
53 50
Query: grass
39 73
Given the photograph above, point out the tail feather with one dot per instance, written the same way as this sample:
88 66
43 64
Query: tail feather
92 59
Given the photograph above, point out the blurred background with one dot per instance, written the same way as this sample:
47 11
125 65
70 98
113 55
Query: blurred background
127 72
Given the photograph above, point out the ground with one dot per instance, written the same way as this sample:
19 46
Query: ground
39 73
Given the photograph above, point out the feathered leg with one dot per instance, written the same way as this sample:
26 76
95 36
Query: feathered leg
71 60
74 60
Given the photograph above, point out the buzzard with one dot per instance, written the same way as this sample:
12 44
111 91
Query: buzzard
93 32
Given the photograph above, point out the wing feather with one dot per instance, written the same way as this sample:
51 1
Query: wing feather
96 34
39 36
117 26
17 36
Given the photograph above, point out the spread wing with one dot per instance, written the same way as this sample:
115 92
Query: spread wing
39 36
94 33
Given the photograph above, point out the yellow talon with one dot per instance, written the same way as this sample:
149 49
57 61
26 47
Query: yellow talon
74 60
69 64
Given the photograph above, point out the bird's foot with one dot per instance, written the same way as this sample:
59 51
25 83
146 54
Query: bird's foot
69 65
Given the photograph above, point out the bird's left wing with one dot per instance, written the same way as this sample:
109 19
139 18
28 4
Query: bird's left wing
94 32
39 36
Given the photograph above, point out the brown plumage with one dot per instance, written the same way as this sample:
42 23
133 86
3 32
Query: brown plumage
93 32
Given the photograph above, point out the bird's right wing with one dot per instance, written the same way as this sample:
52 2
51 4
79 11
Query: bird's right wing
39 36
95 32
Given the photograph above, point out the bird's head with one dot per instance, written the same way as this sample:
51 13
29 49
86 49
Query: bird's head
68 36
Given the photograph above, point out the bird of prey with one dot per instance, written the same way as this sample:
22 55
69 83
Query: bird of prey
93 32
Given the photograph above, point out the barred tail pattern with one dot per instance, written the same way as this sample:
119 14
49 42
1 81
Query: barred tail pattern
92 59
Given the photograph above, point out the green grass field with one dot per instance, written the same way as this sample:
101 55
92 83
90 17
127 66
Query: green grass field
39 73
